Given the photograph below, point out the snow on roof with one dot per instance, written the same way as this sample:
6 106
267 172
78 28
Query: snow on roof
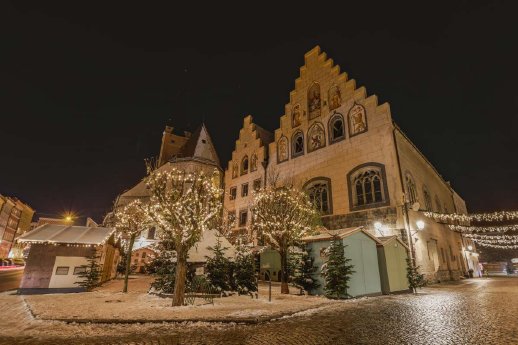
384 240
56 233
199 252
327 235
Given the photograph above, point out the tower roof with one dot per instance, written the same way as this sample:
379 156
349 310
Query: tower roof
200 146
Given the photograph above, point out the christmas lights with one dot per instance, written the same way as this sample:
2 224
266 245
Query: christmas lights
502 228
479 217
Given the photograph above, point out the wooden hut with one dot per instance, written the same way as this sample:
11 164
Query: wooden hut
392 255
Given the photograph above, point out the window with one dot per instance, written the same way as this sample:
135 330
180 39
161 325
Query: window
78 270
143 255
244 190
443 256
244 165
319 192
62 270
231 219
427 199
297 144
437 204
336 128
151 233
367 186
410 189
243 216
257 185
233 193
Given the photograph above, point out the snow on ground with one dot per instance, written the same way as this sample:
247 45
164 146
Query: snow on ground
108 303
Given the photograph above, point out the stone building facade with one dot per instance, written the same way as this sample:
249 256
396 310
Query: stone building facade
246 173
341 146
15 220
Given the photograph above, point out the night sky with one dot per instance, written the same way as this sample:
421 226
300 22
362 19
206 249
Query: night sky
85 91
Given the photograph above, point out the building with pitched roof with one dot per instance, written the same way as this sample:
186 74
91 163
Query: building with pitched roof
58 254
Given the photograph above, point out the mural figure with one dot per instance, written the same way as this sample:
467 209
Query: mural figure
253 163
296 116
335 98
314 102
357 119
282 149
234 171
316 137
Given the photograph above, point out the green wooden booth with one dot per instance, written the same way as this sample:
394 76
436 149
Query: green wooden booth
392 255
360 247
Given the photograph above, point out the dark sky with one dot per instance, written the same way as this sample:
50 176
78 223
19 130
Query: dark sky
85 90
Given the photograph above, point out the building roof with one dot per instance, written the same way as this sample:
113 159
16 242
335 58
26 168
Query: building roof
384 240
55 233
200 146
327 235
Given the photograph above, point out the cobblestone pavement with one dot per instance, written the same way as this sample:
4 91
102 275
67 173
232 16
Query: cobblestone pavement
479 311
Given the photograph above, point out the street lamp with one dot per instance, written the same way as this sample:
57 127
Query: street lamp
378 226
470 247
420 225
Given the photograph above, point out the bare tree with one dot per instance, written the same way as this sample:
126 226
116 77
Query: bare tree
282 216
183 205
130 221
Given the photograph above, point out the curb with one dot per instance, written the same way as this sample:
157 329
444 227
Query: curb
247 321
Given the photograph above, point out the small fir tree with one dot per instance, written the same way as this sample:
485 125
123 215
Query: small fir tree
304 272
337 271
244 271
90 274
163 267
218 268
415 279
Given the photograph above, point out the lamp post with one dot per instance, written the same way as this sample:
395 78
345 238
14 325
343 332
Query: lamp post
266 268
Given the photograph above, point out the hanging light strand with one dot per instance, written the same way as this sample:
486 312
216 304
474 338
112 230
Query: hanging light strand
469 229
479 217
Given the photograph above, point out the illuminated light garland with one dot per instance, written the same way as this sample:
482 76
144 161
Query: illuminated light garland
495 240
479 217
498 246
503 228
490 237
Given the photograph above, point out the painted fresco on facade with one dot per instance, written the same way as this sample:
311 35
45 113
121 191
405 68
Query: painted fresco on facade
296 116
316 137
334 97
357 120
282 149
314 101
253 163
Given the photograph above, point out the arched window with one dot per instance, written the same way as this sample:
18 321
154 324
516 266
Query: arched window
316 137
437 204
244 165
410 189
367 186
427 199
297 144
253 163
319 192
336 128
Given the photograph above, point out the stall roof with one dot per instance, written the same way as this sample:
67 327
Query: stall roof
327 235
384 240
55 233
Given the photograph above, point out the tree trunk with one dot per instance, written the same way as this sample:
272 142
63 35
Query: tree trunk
179 282
128 262
284 272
